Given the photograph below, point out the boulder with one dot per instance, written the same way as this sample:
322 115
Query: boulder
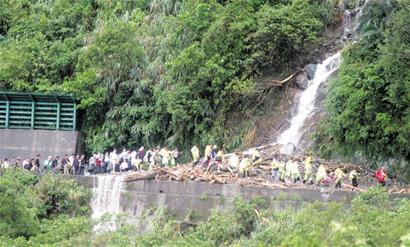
288 149
310 70
302 81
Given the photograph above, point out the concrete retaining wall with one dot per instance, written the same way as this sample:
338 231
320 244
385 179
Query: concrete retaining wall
29 143
183 199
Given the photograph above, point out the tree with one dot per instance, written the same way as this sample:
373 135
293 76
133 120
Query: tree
369 103
17 218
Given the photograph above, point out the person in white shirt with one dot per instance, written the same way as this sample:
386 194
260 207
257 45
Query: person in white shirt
124 166
114 160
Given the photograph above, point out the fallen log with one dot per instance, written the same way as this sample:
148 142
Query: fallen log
348 186
132 178
175 176
399 190
278 82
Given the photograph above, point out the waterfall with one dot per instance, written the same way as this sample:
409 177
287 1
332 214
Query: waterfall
106 199
347 24
306 103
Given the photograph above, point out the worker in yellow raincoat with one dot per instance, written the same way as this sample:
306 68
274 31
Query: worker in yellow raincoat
233 163
282 171
256 156
288 170
353 176
245 166
195 154
137 164
221 155
275 170
208 152
321 174
339 174
220 159
308 178
294 171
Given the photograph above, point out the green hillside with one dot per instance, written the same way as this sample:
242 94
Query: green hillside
160 71
168 72
369 102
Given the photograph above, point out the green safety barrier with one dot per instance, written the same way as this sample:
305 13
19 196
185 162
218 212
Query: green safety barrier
37 111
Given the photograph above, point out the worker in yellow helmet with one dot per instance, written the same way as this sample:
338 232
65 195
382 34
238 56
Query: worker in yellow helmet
353 176
321 174
308 171
195 154
339 174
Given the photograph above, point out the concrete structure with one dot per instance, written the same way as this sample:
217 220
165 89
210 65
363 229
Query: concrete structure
185 199
37 111
29 143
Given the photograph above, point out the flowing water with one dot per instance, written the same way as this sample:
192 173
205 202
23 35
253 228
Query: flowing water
107 194
106 199
306 103
347 24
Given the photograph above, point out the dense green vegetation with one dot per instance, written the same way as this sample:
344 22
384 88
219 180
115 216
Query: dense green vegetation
172 72
369 102
41 210
52 211
156 71
368 222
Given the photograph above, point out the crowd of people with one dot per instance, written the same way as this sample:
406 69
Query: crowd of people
241 164
282 169
98 163
129 160
74 164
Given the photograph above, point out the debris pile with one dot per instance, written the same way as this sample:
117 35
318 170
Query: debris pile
199 174
260 174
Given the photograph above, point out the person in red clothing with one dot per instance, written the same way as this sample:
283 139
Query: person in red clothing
98 164
381 175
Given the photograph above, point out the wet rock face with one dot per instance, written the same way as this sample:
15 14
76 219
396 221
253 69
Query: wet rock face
310 70
302 81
